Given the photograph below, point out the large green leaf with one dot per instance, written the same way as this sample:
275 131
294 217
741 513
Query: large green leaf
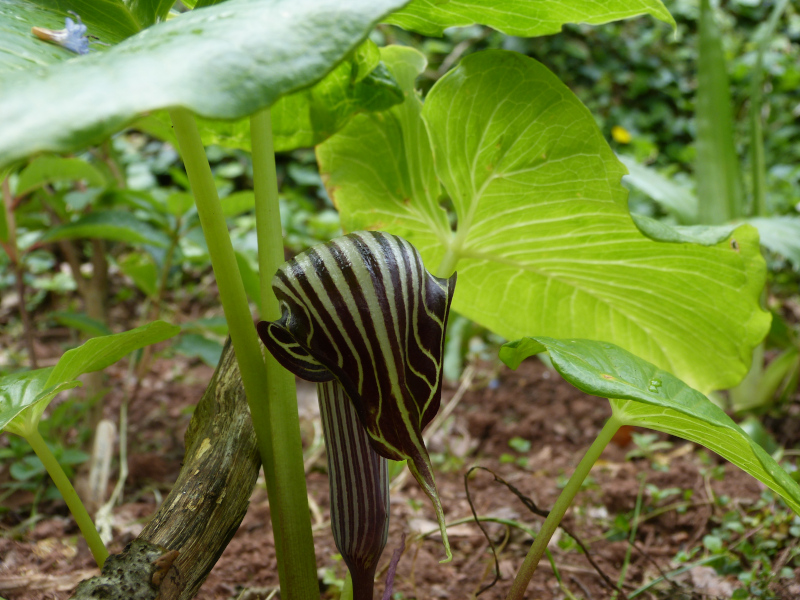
222 62
719 184
521 17
643 395
544 243
50 169
21 52
24 397
112 225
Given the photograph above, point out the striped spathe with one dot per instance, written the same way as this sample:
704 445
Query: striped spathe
363 310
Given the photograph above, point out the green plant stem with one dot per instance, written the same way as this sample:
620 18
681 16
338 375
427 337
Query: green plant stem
562 504
268 212
70 496
249 355
291 495
449 262
631 538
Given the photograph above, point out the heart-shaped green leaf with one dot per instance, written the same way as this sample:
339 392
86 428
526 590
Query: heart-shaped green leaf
112 225
25 396
521 17
222 62
544 243
641 394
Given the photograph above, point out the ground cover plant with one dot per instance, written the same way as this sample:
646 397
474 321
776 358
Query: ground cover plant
500 180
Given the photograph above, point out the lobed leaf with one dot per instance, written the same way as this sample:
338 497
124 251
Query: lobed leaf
520 17
222 62
543 242
643 395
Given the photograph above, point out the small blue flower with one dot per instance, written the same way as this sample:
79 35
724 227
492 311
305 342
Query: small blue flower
73 37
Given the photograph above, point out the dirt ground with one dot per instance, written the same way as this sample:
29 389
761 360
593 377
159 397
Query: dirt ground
45 558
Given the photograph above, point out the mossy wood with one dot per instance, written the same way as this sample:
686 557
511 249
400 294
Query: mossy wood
206 504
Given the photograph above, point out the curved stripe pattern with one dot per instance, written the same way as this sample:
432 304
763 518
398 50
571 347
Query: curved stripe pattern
359 488
362 309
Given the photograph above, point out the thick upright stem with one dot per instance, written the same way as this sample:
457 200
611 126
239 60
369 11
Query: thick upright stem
268 212
559 510
449 262
70 496
287 445
295 583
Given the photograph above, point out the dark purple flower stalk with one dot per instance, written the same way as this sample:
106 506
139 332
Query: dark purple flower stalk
359 482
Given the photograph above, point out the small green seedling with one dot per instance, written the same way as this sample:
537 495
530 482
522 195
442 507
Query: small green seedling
25 396
641 395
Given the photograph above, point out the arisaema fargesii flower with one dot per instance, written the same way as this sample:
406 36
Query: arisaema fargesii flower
363 317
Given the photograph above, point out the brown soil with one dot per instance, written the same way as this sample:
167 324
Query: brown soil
46 559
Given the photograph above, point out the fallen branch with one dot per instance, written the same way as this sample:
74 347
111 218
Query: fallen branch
183 541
